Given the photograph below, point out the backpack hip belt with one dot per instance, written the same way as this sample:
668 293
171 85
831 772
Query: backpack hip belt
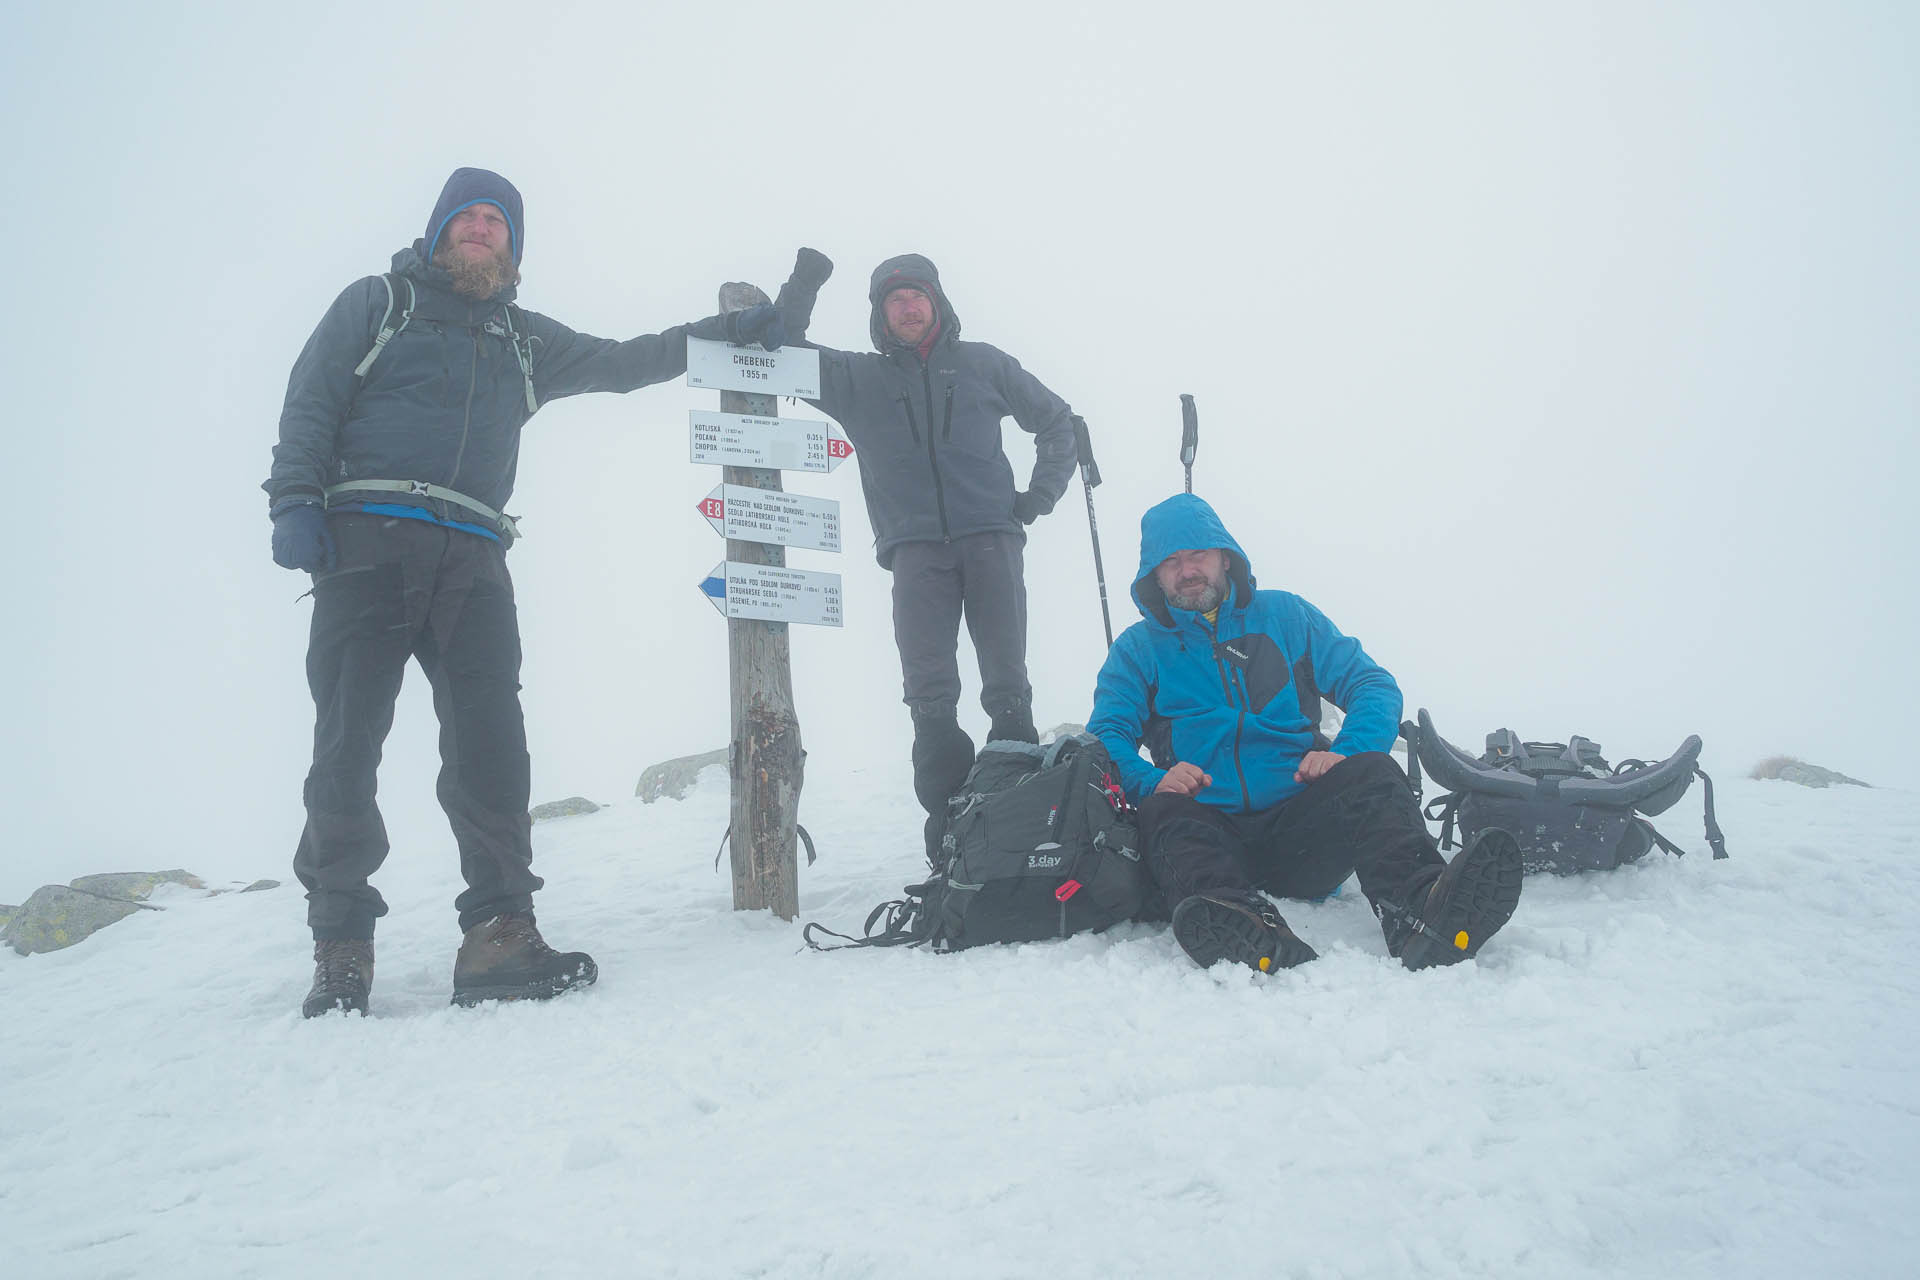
421 489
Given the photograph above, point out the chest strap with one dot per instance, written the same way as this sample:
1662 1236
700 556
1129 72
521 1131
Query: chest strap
421 489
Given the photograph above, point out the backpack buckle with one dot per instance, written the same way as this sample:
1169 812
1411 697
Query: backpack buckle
1067 889
420 488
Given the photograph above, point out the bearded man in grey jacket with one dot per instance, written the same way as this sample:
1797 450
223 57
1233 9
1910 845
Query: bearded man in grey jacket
398 446
924 412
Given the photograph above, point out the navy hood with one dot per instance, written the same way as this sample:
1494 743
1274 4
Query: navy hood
907 269
1185 523
477 186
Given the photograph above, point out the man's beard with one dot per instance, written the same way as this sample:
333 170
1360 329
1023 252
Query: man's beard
1202 601
478 278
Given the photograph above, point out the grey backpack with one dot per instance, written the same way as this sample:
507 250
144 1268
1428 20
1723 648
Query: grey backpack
1569 809
1039 843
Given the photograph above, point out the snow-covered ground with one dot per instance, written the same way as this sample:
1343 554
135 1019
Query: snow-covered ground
1685 1068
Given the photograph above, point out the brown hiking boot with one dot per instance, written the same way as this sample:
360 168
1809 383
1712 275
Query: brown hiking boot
342 977
505 958
1227 924
1473 897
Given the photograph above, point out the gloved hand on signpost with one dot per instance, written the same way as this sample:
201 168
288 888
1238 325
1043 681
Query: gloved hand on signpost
762 324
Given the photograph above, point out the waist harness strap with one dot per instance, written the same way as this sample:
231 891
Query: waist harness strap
421 489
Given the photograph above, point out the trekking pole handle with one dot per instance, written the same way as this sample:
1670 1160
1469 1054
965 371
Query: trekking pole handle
1083 448
1189 436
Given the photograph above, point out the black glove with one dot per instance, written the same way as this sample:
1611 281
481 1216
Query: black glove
1029 506
811 268
762 324
301 540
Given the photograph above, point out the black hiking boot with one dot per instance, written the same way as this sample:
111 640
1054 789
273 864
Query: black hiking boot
1224 924
505 958
1473 897
342 977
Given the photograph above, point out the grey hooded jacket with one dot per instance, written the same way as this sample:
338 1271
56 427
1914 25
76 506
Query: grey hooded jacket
445 400
927 433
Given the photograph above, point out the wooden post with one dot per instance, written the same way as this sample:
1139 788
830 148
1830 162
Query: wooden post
766 764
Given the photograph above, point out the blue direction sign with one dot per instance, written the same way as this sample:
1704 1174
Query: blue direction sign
773 594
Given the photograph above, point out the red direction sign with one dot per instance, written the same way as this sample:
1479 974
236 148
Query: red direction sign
770 515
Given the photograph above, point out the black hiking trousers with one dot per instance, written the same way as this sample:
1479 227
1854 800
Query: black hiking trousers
1360 816
411 589
983 577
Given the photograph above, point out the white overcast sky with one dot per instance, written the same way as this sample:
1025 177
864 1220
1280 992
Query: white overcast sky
1565 353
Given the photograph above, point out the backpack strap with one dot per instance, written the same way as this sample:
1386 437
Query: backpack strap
387 326
522 350
1443 809
1666 845
1715 837
906 925
1410 732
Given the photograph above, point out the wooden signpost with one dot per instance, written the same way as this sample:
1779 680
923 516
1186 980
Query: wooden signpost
757 592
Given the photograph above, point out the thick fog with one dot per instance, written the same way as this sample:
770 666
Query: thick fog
1564 354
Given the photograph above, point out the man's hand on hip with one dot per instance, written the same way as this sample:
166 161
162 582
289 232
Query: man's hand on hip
1314 765
1184 780
301 540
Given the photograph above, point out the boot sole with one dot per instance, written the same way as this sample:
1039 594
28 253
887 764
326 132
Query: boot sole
547 989
1477 895
1210 931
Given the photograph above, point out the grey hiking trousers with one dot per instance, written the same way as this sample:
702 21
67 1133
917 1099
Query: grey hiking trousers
411 589
982 577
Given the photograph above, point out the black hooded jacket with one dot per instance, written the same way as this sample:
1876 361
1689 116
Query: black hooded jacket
927 433
445 400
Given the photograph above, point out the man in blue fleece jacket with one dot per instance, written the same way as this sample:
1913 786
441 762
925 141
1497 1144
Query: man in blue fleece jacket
1223 684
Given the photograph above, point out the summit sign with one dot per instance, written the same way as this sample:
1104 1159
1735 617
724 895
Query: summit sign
721 366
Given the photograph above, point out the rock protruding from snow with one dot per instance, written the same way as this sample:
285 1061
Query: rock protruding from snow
137 886
674 778
58 916
1788 769
567 808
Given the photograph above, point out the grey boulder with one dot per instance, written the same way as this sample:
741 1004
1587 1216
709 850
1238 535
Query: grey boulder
563 808
674 778
58 916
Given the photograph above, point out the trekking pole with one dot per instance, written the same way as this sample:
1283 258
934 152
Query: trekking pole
1089 477
1189 436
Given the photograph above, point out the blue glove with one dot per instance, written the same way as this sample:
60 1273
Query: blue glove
1029 506
761 324
301 540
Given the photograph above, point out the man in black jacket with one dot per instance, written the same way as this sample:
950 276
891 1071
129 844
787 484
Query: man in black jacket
925 415
398 446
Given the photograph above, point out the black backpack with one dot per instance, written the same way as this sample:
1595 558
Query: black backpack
1569 809
1039 843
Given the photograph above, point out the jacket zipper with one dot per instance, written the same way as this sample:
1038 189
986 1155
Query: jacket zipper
1239 723
466 422
933 461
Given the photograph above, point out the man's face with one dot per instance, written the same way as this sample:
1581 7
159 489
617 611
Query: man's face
910 315
478 232
1195 580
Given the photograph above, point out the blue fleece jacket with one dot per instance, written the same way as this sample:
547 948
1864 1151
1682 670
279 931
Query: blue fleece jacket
1226 695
